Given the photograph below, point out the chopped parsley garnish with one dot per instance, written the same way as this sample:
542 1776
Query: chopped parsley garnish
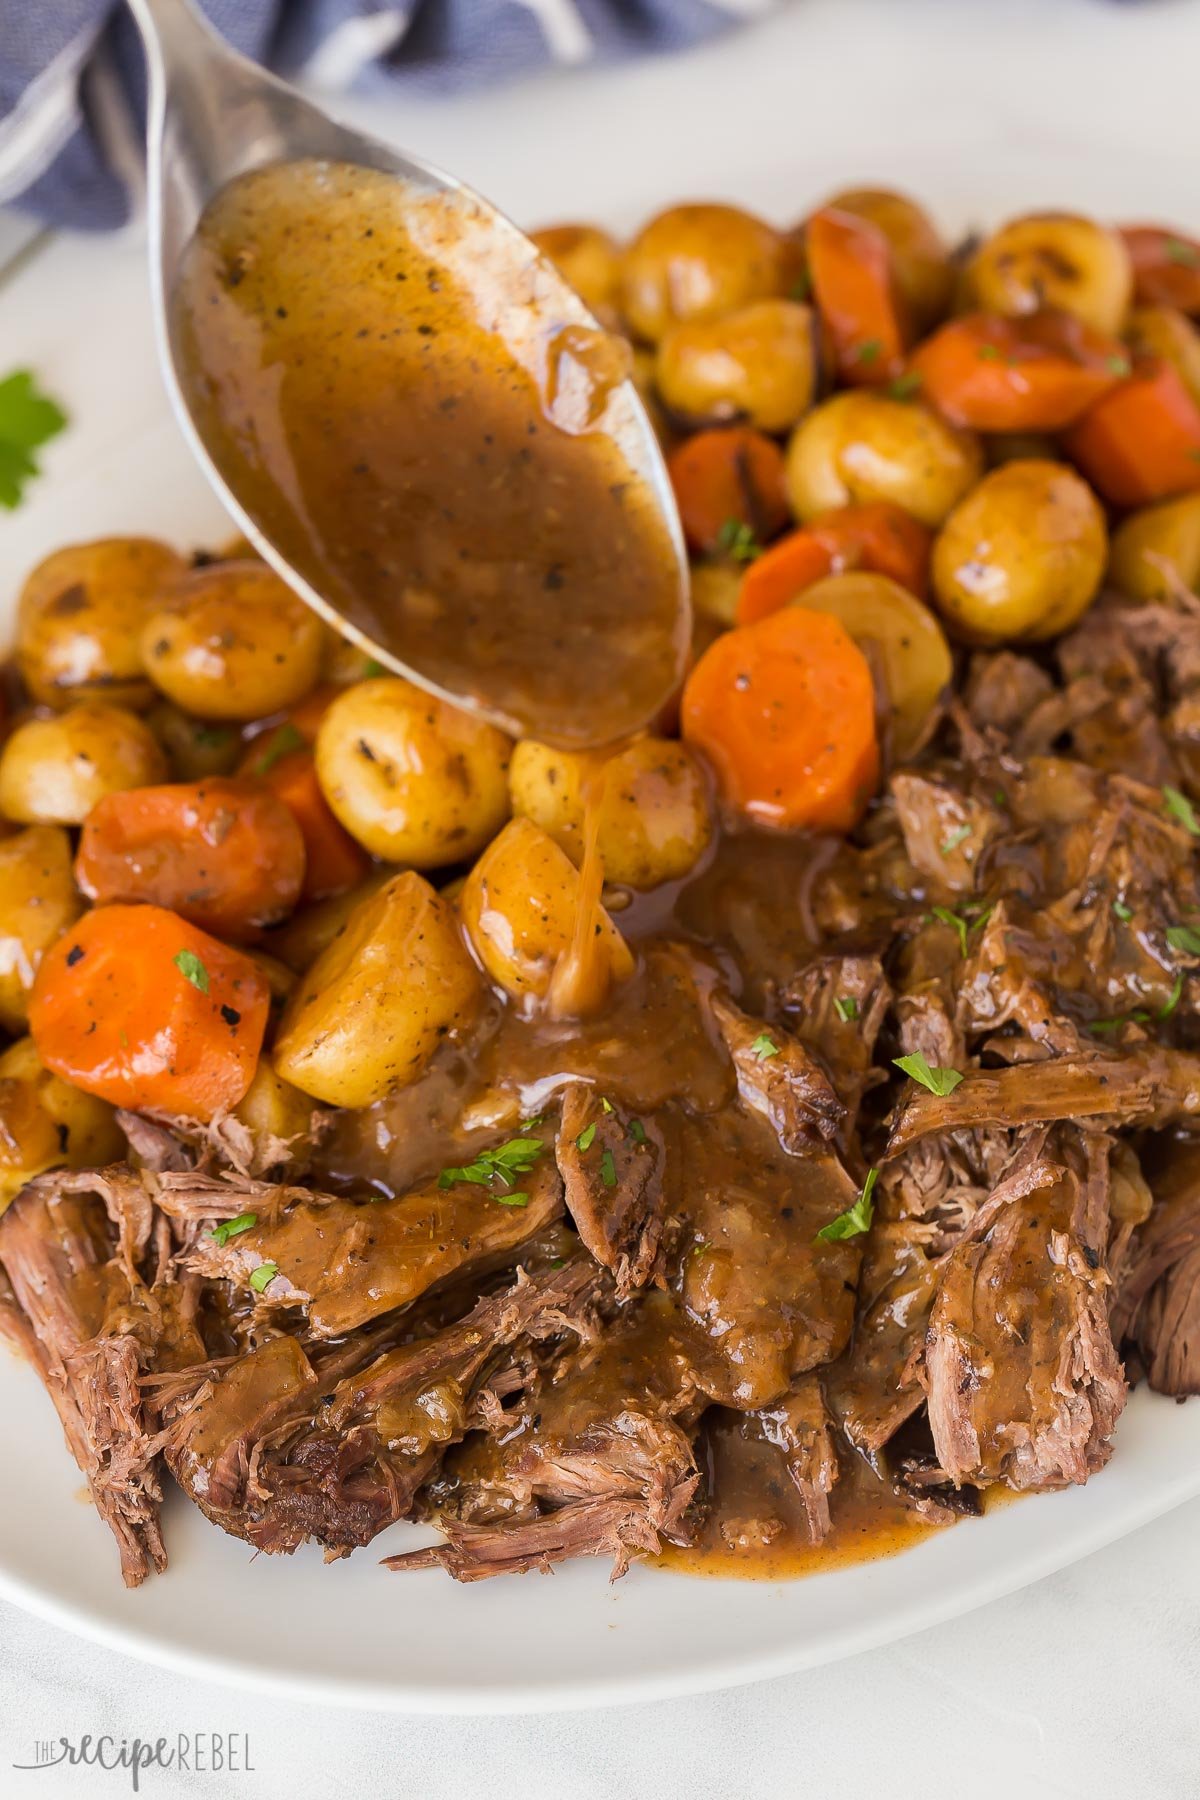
1181 809
1173 999
263 1276
801 288
1179 251
869 351
28 419
374 667
282 743
963 923
938 1081
846 1007
1122 911
956 837
1000 797
636 1130
904 386
1185 938
738 541
1118 365
988 353
608 1169
211 737
605 1105
518 1197
856 1219
192 969
587 1137
501 1164
764 1046
232 1228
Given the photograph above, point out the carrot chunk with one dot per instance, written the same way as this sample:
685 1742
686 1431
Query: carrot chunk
725 480
850 263
1039 373
145 1010
785 712
876 536
333 861
228 855
1141 442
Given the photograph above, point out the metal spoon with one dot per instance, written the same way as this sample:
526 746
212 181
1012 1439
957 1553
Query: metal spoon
213 116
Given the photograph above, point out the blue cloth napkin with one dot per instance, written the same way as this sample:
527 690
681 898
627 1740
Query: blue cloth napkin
72 82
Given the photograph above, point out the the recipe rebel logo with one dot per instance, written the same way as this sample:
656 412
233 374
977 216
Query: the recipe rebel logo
194 1753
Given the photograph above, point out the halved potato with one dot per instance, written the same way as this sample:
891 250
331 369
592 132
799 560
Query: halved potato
1156 551
912 647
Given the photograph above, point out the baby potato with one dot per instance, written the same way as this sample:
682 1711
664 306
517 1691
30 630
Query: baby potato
414 779
921 262
233 642
196 749
80 619
53 771
272 1107
1163 332
588 260
863 446
913 651
699 262
1022 557
38 901
45 1123
1156 551
379 1000
756 364
519 904
653 817
1053 259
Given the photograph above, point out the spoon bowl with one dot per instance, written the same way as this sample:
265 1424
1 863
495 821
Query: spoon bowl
214 118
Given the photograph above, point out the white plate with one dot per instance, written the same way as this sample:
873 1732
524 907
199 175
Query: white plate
953 102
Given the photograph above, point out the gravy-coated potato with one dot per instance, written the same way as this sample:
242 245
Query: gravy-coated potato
1022 558
588 260
1163 332
653 818
233 642
1156 552
414 779
861 446
519 905
376 1004
913 653
38 900
53 771
1053 259
755 364
196 748
80 619
699 262
272 1107
921 263
45 1123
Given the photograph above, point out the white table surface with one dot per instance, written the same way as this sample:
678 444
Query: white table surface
1085 1684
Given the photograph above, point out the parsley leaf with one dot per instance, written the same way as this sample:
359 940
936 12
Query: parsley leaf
1185 938
1118 365
518 1197
192 969
1181 809
869 351
846 1007
28 419
586 1137
738 541
988 353
282 742
938 1081
636 1130
605 1105
263 1276
801 288
955 838
956 919
501 1164
374 667
856 1219
232 1228
904 386
1122 911
764 1046
1173 999
1183 253
608 1169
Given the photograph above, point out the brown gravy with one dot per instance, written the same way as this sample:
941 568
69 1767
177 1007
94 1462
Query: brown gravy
385 398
